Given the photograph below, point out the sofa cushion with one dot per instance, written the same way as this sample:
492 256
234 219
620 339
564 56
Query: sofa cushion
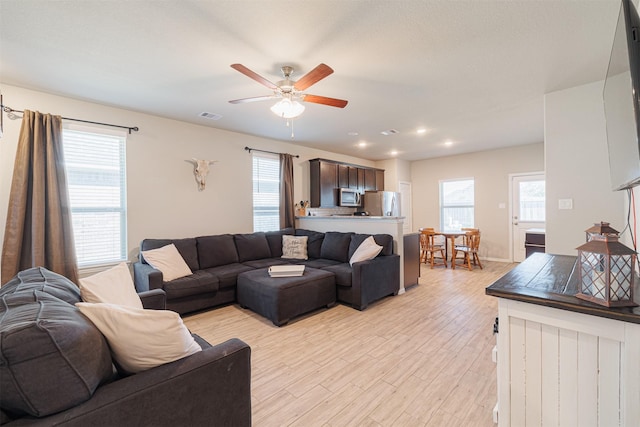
53 357
197 283
294 247
343 273
367 250
384 240
41 279
216 250
252 246
141 339
168 260
228 274
267 262
319 262
114 286
335 246
314 241
187 248
274 238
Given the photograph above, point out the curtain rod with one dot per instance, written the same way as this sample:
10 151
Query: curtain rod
129 128
270 152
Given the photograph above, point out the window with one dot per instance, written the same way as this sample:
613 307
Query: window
95 165
266 192
456 204
532 201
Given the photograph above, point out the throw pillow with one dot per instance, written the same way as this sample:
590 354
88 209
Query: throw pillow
168 260
141 339
294 247
113 286
367 250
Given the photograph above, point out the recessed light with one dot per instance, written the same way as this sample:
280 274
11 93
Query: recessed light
421 131
352 133
362 144
389 132
448 143
394 153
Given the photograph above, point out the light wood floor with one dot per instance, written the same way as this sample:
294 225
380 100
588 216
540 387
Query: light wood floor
418 359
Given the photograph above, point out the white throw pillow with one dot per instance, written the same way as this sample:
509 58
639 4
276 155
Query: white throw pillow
168 260
367 250
141 339
113 286
294 247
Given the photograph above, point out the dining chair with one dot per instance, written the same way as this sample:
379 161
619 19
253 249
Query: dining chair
469 249
429 248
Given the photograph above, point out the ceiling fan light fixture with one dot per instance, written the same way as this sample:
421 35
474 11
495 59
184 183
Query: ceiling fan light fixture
287 108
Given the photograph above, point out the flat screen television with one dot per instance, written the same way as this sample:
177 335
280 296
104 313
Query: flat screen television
621 100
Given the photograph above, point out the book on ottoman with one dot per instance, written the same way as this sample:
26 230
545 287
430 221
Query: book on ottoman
286 270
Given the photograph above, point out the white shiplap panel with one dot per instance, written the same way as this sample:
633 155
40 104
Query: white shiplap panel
568 378
518 377
550 375
587 380
533 386
631 375
609 399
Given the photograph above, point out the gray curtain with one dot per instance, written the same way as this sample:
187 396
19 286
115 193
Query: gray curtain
38 231
287 205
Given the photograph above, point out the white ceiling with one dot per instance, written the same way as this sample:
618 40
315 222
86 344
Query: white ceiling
472 72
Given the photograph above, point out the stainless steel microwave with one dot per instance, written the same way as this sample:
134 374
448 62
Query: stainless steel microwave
349 197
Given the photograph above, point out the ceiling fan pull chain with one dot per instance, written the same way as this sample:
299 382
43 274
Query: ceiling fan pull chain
292 135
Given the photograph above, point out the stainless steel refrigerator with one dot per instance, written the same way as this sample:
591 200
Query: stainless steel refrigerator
382 203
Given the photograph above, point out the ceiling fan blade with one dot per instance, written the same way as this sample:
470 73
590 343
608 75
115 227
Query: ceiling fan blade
313 76
332 102
247 72
254 99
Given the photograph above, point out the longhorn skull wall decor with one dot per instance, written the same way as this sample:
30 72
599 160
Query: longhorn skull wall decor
201 170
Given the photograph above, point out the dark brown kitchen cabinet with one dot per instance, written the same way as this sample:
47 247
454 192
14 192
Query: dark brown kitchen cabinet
369 180
328 176
353 177
343 176
324 184
379 180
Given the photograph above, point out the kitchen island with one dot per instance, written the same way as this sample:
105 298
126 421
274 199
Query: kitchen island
361 224
562 360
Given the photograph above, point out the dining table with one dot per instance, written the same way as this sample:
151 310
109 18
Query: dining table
449 236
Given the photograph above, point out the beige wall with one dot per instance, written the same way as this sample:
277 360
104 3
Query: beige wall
163 200
490 170
577 167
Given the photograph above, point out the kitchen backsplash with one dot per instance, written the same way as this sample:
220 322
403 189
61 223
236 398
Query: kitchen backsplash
330 211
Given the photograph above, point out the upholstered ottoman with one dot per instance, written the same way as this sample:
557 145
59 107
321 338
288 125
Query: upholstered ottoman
280 299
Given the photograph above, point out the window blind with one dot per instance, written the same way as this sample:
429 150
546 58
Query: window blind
96 177
266 192
457 204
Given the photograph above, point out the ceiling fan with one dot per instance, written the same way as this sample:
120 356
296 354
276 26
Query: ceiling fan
290 92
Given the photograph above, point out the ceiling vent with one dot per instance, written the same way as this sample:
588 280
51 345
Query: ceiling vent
211 116
389 132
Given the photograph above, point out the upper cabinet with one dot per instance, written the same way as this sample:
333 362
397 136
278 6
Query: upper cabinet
328 176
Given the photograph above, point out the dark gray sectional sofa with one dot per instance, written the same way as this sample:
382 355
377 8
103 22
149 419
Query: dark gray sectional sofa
216 261
56 368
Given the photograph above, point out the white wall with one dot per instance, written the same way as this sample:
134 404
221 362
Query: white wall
490 170
163 199
577 167
395 170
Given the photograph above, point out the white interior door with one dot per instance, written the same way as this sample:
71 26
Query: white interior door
404 188
527 209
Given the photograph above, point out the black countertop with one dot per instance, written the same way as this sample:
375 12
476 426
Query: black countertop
552 281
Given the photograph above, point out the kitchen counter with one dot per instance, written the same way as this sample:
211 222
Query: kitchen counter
562 360
358 217
552 281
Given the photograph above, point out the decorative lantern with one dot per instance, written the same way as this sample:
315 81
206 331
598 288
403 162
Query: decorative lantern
601 228
606 268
